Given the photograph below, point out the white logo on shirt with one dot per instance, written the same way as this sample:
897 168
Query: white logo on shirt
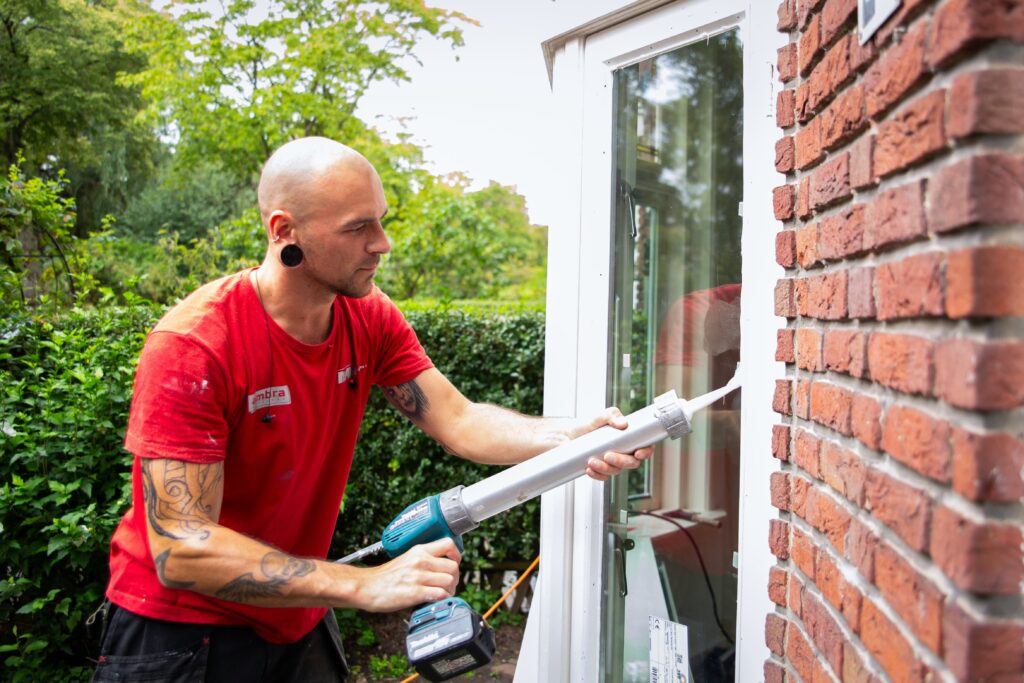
270 396
345 374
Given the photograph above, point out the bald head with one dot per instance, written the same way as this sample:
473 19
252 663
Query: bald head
295 176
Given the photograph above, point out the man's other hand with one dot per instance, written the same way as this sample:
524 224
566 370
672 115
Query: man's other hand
611 462
425 573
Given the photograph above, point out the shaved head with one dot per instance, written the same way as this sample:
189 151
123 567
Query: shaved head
296 176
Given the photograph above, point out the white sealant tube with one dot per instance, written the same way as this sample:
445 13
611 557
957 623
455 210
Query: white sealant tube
669 416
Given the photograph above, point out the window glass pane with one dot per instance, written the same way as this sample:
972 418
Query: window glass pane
675 312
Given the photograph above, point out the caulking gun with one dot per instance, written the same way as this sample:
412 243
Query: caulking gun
458 510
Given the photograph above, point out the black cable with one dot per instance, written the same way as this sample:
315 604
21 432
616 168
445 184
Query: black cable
703 567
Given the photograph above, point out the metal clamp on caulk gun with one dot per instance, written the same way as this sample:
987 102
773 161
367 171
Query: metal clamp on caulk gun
438 647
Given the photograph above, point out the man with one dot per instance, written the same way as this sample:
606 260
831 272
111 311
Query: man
248 398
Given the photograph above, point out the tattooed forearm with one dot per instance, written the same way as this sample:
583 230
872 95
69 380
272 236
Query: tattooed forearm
408 398
181 498
276 569
160 561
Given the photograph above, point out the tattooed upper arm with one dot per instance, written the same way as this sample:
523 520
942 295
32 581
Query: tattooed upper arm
408 398
182 498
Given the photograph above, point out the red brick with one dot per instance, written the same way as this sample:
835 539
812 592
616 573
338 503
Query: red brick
901 362
781 400
824 633
911 595
806 448
961 24
833 17
780 490
782 202
803 197
911 287
861 56
780 442
915 133
897 71
785 114
775 632
830 183
989 650
777 579
807 245
831 406
987 188
843 119
802 399
918 441
805 10
787 16
808 149
980 375
841 234
785 248
784 350
861 545
987 467
822 296
787 62
810 42
802 553
887 644
981 557
866 420
988 101
799 486
801 103
898 21
854 670
839 592
895 215
985 281
785 301
862 293
795 596
846 351
773 672
778 538
862 174
808 349
843 470
828 76
785 154
829 517
903 508
799 652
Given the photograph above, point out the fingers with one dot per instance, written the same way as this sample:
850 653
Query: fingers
426 573
443 547
613 463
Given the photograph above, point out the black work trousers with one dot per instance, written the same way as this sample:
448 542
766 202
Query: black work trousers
138 648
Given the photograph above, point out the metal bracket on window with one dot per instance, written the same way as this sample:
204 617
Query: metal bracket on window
622 546
626 190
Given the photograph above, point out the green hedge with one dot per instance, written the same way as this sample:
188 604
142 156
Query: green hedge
64 477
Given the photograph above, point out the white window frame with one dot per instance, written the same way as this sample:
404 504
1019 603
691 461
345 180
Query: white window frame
563 638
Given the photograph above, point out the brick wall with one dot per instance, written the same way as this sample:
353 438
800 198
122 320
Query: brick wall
899 533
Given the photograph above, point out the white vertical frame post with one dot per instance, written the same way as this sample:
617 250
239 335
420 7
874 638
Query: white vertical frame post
573 546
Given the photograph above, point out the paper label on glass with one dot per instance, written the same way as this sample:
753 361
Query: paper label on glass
669 651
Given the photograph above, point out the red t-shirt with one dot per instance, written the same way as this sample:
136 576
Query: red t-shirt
206 379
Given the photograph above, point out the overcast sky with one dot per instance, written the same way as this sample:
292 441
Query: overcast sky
483 108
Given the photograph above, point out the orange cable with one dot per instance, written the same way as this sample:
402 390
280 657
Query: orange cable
494 607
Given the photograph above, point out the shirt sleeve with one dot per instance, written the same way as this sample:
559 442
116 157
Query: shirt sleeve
179 402
401 356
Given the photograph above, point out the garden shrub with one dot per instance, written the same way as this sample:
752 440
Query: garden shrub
65 478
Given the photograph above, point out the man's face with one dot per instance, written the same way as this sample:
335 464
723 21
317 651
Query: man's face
341 234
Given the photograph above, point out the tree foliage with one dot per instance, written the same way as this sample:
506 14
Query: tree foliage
63 104
235 84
